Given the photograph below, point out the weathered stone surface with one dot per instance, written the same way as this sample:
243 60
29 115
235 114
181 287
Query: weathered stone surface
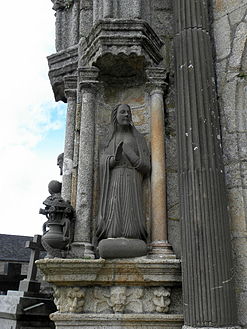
62 64
67 23
124 291
237 15
237 209
232 175
224 7
139 271
232 90
120 37
229 106
222 33
239 43
229 146
121 321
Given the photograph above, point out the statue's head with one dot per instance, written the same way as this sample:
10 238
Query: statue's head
54 187
60 162
121 115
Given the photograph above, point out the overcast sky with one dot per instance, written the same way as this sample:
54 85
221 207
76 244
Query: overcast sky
32 123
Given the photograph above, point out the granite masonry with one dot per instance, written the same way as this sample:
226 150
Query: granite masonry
172 62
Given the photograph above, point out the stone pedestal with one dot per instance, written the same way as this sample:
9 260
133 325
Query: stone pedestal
121 292
121 321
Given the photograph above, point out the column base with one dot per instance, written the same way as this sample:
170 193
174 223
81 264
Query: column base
161 249
82 250
113 321
230 327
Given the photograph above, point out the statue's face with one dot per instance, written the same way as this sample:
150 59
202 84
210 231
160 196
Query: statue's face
123 115
161 300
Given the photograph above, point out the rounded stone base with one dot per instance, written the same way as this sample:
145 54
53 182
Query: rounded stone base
122 248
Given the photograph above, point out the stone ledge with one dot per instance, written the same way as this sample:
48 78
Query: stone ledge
118 36
61 64
101 272
138 321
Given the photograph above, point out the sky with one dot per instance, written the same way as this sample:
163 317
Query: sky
32 124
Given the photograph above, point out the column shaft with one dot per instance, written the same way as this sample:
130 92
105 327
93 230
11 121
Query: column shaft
206 245
107 8
84 197
160 246
76 153
158 178
69 144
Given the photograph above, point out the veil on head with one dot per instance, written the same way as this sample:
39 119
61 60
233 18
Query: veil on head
113 126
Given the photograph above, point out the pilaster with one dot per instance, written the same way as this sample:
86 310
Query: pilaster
206 246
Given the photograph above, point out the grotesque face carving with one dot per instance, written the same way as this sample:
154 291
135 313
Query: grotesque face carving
123 115
118 299
161 300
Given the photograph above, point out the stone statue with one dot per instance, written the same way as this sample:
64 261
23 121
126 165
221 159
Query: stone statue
124 162
62 4
60 159
59 228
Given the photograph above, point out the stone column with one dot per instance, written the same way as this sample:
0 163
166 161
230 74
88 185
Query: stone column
206 245
84 199
71 94
76 152
159 244
107 8
137 8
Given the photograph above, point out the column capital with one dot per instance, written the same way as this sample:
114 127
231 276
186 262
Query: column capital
156 79
88 77
70 86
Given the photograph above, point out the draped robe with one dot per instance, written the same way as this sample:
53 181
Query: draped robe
121 212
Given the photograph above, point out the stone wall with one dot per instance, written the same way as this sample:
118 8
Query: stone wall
230 30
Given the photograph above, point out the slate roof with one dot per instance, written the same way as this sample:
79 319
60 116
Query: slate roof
12 248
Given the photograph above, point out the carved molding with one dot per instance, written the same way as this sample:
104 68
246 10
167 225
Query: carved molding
118 300
113 300
61 66
88 77
156 79
121 37
70 86
69 300
84 272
